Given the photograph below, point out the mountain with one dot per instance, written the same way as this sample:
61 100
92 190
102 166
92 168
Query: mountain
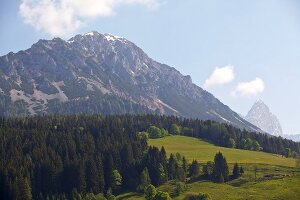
101 73
261 116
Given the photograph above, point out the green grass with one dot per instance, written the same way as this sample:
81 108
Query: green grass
246 187
193 148
286 188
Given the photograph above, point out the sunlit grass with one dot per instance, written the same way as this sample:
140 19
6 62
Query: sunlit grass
202 151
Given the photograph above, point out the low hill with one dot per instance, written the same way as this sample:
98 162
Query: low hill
202 151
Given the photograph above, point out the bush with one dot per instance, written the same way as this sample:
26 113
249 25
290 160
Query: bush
150 192
154 132
180 188
162 196
200 196
175 129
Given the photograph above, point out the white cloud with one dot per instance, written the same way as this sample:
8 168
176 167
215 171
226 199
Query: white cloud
250 88
63 17
220 76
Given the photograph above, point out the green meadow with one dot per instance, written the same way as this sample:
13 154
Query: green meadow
193 148
275 177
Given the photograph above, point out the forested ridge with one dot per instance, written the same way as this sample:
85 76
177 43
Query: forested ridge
69 155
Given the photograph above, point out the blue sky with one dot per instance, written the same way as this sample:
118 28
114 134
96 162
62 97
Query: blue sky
255 44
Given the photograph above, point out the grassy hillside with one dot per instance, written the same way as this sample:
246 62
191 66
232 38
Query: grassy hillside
202 151
285 188
276 177
246 187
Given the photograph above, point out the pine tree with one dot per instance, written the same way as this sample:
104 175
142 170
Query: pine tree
221 167
172 167
99 165
144 180
92 177
162 174
220 178
208 170
150 192
241 170
194 168
116 180
180 174
236 171
108 168
24 188
127 156
184 164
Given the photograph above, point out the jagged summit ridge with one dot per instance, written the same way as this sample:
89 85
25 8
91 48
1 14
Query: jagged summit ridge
101 73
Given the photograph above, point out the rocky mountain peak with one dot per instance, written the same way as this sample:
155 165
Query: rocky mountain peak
101 73
261 116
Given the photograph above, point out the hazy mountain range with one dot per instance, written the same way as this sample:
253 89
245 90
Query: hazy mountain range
101 73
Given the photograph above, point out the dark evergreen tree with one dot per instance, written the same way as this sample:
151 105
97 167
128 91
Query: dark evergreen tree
241 170
236 171
221 170
185 165
172 167
194 169
92 178
208 170
116 180
108 169
144 180
24 188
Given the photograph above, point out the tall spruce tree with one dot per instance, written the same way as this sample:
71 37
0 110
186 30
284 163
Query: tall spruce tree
144 180
92 177
24 188
236 171
194 169
172 167
221 167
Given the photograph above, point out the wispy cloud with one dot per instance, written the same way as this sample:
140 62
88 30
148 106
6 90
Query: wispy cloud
220 76
63 17
250 88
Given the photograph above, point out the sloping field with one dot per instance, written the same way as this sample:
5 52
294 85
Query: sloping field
193 148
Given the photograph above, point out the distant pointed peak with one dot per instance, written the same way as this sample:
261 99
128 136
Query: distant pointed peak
259 104
259 101
261 116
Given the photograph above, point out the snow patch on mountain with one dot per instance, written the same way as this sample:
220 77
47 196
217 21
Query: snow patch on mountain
112 38
89 33
166 105
220 116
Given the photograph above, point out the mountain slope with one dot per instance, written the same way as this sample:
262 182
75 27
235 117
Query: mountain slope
261 116
101 73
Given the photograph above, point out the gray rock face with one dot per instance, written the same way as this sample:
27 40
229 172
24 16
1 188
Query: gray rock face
101 73
261 116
